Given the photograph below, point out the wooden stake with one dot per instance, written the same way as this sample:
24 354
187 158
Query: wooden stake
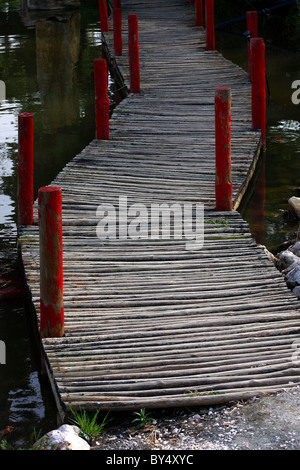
198 13
223 182
101 99
134 61
117 21
25 168
103 15
210 25
258 74
51 262
252 28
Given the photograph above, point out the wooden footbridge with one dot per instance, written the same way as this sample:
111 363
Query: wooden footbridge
149 323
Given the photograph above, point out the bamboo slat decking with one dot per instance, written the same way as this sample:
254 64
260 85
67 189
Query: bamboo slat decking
149 323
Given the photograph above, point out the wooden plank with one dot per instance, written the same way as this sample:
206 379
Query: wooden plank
149 323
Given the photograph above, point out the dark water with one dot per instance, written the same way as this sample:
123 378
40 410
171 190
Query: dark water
47 67
48 70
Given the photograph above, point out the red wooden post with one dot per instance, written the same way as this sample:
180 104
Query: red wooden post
101 99
198 13
210 25
103 15
25 168
117 4
133 46
252 28
51 262
117 21
257 47
223 182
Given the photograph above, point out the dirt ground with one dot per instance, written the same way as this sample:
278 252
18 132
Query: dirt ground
267 423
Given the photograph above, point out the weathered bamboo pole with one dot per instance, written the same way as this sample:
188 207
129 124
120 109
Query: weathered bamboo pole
134 61
101 99
51 262
25 168
223 183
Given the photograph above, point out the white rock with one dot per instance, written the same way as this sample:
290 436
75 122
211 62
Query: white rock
292 278
287 258
295 249
296 291
64 438
294 203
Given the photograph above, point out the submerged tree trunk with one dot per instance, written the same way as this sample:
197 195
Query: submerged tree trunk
51 4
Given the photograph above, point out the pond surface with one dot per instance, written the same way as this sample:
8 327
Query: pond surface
47 67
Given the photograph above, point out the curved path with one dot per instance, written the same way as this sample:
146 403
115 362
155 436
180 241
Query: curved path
150 323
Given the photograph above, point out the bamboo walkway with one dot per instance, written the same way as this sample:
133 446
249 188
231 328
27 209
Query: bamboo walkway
149 323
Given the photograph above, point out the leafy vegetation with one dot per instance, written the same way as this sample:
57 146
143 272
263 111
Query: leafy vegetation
89 426
142 418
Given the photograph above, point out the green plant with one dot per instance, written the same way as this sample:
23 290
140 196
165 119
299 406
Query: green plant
142 418
89 427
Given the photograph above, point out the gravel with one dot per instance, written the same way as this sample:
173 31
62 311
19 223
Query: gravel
267 423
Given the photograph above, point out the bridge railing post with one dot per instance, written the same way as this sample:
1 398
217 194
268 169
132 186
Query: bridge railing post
25 168
103 13
134 60
198 12
223 181
252 28
101 99
210 25
51 262
258 74
117 22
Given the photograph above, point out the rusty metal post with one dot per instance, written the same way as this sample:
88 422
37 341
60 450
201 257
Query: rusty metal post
25 168
223 181
51 262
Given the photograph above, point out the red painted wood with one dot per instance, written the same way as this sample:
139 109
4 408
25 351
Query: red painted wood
223 182
117 4
103 15
101 99
258 72
25 168
198 12
51 262
210 25
134 61
117 21
252 28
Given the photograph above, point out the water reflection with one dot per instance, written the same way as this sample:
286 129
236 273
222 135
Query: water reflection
58 42
47 66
